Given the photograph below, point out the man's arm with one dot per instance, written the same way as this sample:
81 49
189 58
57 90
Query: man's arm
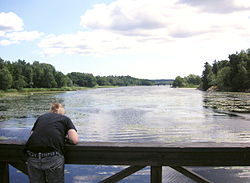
72 136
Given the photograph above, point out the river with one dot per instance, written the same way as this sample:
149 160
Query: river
134 114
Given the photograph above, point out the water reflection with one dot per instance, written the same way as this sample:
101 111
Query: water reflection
135 114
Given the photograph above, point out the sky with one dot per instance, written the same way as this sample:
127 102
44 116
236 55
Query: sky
149 39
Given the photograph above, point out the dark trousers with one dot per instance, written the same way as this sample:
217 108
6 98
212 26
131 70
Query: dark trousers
46 170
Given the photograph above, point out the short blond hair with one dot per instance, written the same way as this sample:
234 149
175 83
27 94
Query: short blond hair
55 107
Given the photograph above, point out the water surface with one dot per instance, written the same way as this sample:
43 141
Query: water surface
134 114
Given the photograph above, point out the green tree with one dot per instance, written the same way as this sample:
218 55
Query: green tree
17 74
48 80
144 82
68 81
102 81
208 78
77 78
193 79
28 74
38 74
2 63
44 75
239 74
5 79
179 82
61 79
223 79
19 83
90 80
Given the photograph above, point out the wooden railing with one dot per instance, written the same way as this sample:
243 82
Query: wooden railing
137 156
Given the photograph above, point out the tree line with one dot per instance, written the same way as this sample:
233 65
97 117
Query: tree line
228 75
191 80
224 75
20 74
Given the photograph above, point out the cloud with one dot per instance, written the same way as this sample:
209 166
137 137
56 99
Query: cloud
23 36
10 22
121 16
12 30
5 42
17 37
86 43
219 6
173 18
152 26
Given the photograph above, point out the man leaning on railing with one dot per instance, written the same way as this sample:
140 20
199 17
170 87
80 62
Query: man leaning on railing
45 147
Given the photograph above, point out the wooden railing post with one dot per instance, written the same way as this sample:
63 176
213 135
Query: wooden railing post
156 174
4 172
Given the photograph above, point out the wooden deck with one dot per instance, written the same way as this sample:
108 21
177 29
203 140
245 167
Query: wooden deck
138 156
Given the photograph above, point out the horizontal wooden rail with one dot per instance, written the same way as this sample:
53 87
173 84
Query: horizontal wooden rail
138 155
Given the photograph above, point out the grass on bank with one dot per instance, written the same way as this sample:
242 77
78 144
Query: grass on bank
190 86
12 92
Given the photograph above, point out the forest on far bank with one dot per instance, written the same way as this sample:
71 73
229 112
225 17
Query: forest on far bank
224 75
228 75
20 74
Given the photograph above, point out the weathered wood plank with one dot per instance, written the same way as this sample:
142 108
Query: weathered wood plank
196 154
163 155
192 175
4 172
122 174
156 174
139 154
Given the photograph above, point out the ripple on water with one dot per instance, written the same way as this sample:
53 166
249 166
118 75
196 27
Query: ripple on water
138 114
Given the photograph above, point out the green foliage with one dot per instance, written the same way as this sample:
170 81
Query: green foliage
223 78
5 79
88 80
191 81
229 75
162 81
207 76
19 83
19 75
179 82
61 79
102 81
82 79
127 81
48 80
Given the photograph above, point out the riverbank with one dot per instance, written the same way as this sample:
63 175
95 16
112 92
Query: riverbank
24 91
189 86
238 102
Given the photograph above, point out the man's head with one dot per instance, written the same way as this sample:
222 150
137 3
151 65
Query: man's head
57 108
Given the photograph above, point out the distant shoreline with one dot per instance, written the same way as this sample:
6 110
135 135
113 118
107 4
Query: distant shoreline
14 92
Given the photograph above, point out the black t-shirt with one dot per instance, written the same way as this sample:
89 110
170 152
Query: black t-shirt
49 133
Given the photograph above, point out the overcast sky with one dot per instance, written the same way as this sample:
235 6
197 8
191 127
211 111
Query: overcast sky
153 39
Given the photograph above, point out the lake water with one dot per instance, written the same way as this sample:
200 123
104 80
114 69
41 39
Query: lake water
134 114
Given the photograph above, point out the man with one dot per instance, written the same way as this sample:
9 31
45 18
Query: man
44 148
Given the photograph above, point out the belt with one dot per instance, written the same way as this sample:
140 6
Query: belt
42 155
